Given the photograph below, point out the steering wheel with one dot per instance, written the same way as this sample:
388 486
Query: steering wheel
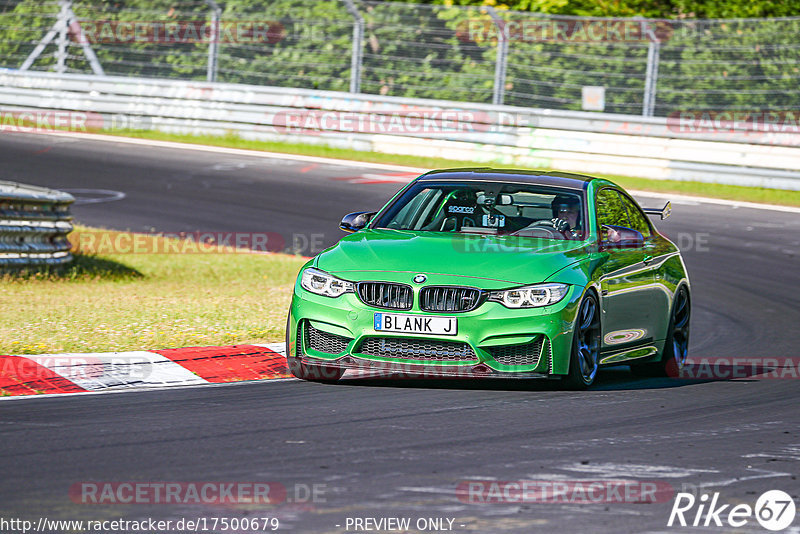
545 228
559 224
539 231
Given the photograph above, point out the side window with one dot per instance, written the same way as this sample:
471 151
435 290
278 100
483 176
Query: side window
610 209
637 218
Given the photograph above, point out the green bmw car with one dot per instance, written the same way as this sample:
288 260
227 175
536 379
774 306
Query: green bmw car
494 273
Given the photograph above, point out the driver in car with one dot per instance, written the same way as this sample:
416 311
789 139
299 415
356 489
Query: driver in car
567 215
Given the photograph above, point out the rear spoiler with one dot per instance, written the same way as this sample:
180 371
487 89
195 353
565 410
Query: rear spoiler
663 212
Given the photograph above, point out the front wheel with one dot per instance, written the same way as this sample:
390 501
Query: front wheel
585 356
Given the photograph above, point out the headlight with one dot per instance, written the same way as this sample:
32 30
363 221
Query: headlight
530 296
322 283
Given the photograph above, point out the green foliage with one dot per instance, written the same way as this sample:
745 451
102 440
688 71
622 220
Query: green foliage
444 50
309 46
418 51
659 9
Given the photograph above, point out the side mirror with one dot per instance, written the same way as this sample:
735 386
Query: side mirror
353 222
612 237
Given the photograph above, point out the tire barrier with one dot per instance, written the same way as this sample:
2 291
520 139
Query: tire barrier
34 223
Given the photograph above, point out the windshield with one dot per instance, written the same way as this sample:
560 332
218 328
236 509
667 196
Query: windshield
487 208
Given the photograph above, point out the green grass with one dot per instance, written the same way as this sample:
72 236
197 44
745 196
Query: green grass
730 192
115 302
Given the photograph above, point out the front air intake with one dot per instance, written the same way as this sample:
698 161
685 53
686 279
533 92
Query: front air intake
386 295
417 349
449 298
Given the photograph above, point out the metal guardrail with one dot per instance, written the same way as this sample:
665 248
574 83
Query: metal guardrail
647 147
34 223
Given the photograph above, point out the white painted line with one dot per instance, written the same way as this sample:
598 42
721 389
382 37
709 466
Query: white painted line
612 470
94 196
382 166
104 370
737 480
235 151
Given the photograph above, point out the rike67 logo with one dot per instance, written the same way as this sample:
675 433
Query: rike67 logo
774 510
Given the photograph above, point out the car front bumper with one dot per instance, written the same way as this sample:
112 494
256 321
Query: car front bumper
489 341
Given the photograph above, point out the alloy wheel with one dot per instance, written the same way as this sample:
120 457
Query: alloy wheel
588 347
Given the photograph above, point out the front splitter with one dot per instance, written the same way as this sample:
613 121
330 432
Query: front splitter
366 367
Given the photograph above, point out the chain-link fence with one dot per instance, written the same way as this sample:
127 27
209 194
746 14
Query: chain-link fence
633 66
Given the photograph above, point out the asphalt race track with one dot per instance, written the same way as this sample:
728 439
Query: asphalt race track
380 448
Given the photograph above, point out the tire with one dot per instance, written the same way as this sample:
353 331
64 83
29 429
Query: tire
676 346
585 356
312 373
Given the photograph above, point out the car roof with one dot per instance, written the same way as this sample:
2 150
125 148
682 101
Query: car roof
552 178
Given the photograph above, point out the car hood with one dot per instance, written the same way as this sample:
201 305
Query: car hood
489 262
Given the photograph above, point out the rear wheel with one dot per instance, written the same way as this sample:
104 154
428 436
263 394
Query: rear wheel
585 356
304 371
676 346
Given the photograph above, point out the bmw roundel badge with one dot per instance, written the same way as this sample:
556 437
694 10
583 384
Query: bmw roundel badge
420 278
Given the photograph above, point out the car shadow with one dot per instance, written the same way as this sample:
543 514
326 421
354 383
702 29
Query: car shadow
621 378
82 267
608 379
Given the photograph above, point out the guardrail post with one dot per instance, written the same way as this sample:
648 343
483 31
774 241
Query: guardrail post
213 45
358 38
651 74
502 57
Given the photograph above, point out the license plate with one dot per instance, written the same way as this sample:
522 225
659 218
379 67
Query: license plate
416 324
